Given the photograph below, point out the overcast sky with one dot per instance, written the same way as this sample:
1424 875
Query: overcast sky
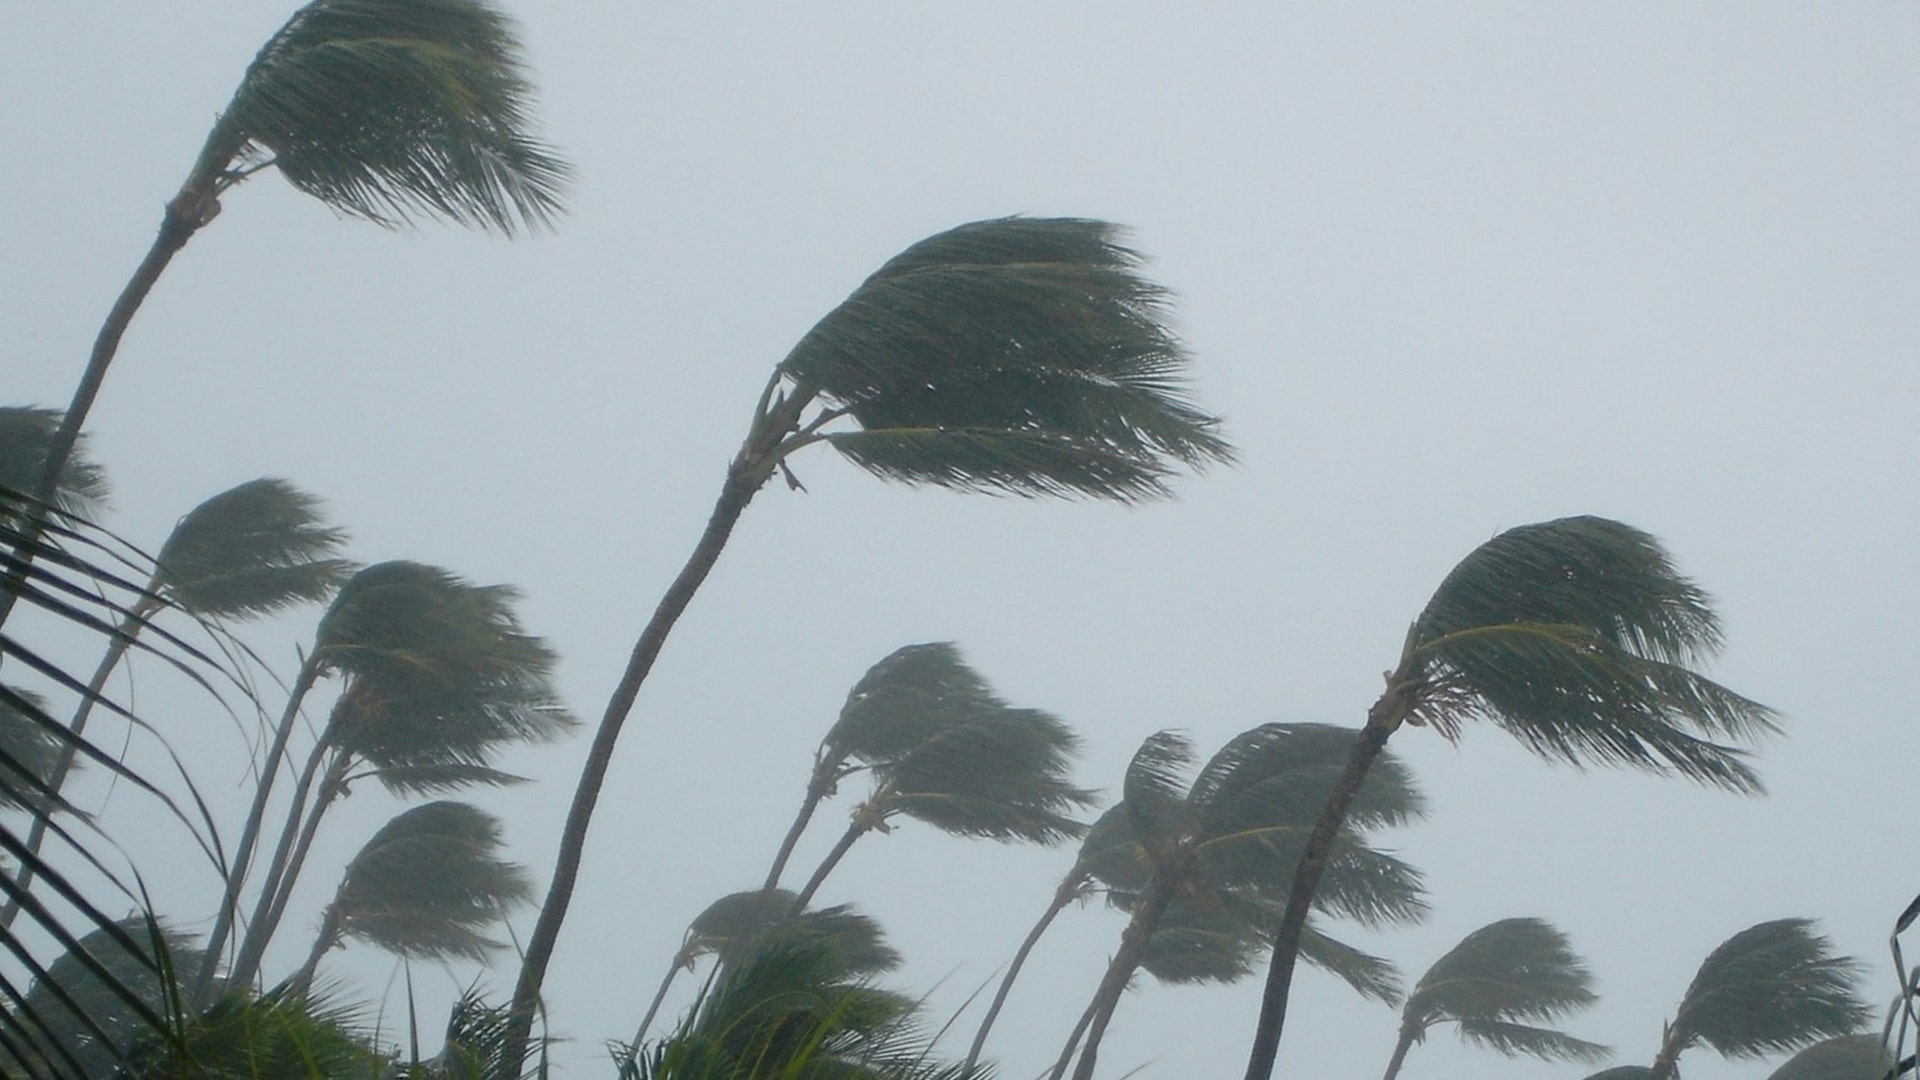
1444 268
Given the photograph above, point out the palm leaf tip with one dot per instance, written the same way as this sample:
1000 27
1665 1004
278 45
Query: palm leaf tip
1015 355
1773 987
26 436
1577 636
388 110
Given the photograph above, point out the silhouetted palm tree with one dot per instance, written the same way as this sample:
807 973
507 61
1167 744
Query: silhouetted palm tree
1767 989
251 550
1576 636
1495 987
1019 355
429 884
386 110
1223 846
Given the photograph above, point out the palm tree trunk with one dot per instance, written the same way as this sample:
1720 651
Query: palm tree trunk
123 638
1073 1041
680 960
328 937
192 208
744 478
1069 889
288 856
1306 878
860 827
1408 1033
818 785
250 833
1666 1064
1133 945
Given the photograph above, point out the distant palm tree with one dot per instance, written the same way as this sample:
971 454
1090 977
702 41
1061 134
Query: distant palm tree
430 884
1843 1057
1579 638
1210 858
1769 988
1495 987
386 110
736 923
438 673
251 550
1018 355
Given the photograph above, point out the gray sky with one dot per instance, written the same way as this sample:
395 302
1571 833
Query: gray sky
1445 269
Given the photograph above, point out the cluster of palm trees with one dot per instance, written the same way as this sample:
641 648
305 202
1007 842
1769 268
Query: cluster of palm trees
1014 356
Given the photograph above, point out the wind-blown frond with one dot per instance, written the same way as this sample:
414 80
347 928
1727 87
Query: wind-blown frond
26 435
1020 355
252 550
28 749
1770 988
391 109
1575 636
1000 774
900 702
430 883
78 1013
859 944
1153 793
1370 976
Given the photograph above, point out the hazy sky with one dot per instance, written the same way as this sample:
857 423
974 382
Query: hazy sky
1445 269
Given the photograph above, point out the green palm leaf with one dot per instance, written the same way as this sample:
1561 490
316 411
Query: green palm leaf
858 943
1000 774
252 550
78 1013
26 436
1021 355
1770 988
900 702
391 109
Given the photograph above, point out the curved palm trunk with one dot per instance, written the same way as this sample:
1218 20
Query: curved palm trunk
329 936
1133 945
821 782
1073 1041
1408 1034
742 482
296 838
250 832
860 827
680 961
123 639
1382 719
1069 889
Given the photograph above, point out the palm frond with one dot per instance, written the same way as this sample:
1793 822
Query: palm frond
1576 636
252 550
1369 976
1019 355
1153 793
1772 987
1512 1038
28 749
433 778
900 702
1843 1057
269 1037
1000 774
430 883
760 917
1511 969
392 109
80 1012
26 435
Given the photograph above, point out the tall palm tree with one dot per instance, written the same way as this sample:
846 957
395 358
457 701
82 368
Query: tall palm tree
912 691
437 673
1496 987
1576 636
1772 987
385 110
1018 355
737 922
252 550
429 884
1223 846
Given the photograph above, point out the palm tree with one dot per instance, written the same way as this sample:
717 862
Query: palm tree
385 110
26 439
429 884
1769 988
438 676
1843 1057
1210 858
251 550
438 673
1495 987
1018 355
912 691
1577 637
90 1007
737 922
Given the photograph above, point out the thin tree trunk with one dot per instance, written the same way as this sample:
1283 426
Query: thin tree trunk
1408 1033
818 785
1133 945
743 480
328 937
1062 896
288 856
1306 878
250 833
1073 1041
860 827
659 996
123 639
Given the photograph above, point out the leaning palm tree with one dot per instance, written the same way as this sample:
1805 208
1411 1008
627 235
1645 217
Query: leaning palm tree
1018 355
385 110
737 922
252 550
1223 845
1770 988
1496 987
437 673
430 884
1576 636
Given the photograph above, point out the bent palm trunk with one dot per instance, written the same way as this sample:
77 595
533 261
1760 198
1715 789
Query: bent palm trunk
1064 895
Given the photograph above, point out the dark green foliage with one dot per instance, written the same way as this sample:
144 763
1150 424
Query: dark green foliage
28 749
77 1015
1623 1072
252 550
430 884
1770 988
1499 985
1844 1057
858 946
913 692
391 109
268 1037
1001 773
1577 637
26 434
1021 355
